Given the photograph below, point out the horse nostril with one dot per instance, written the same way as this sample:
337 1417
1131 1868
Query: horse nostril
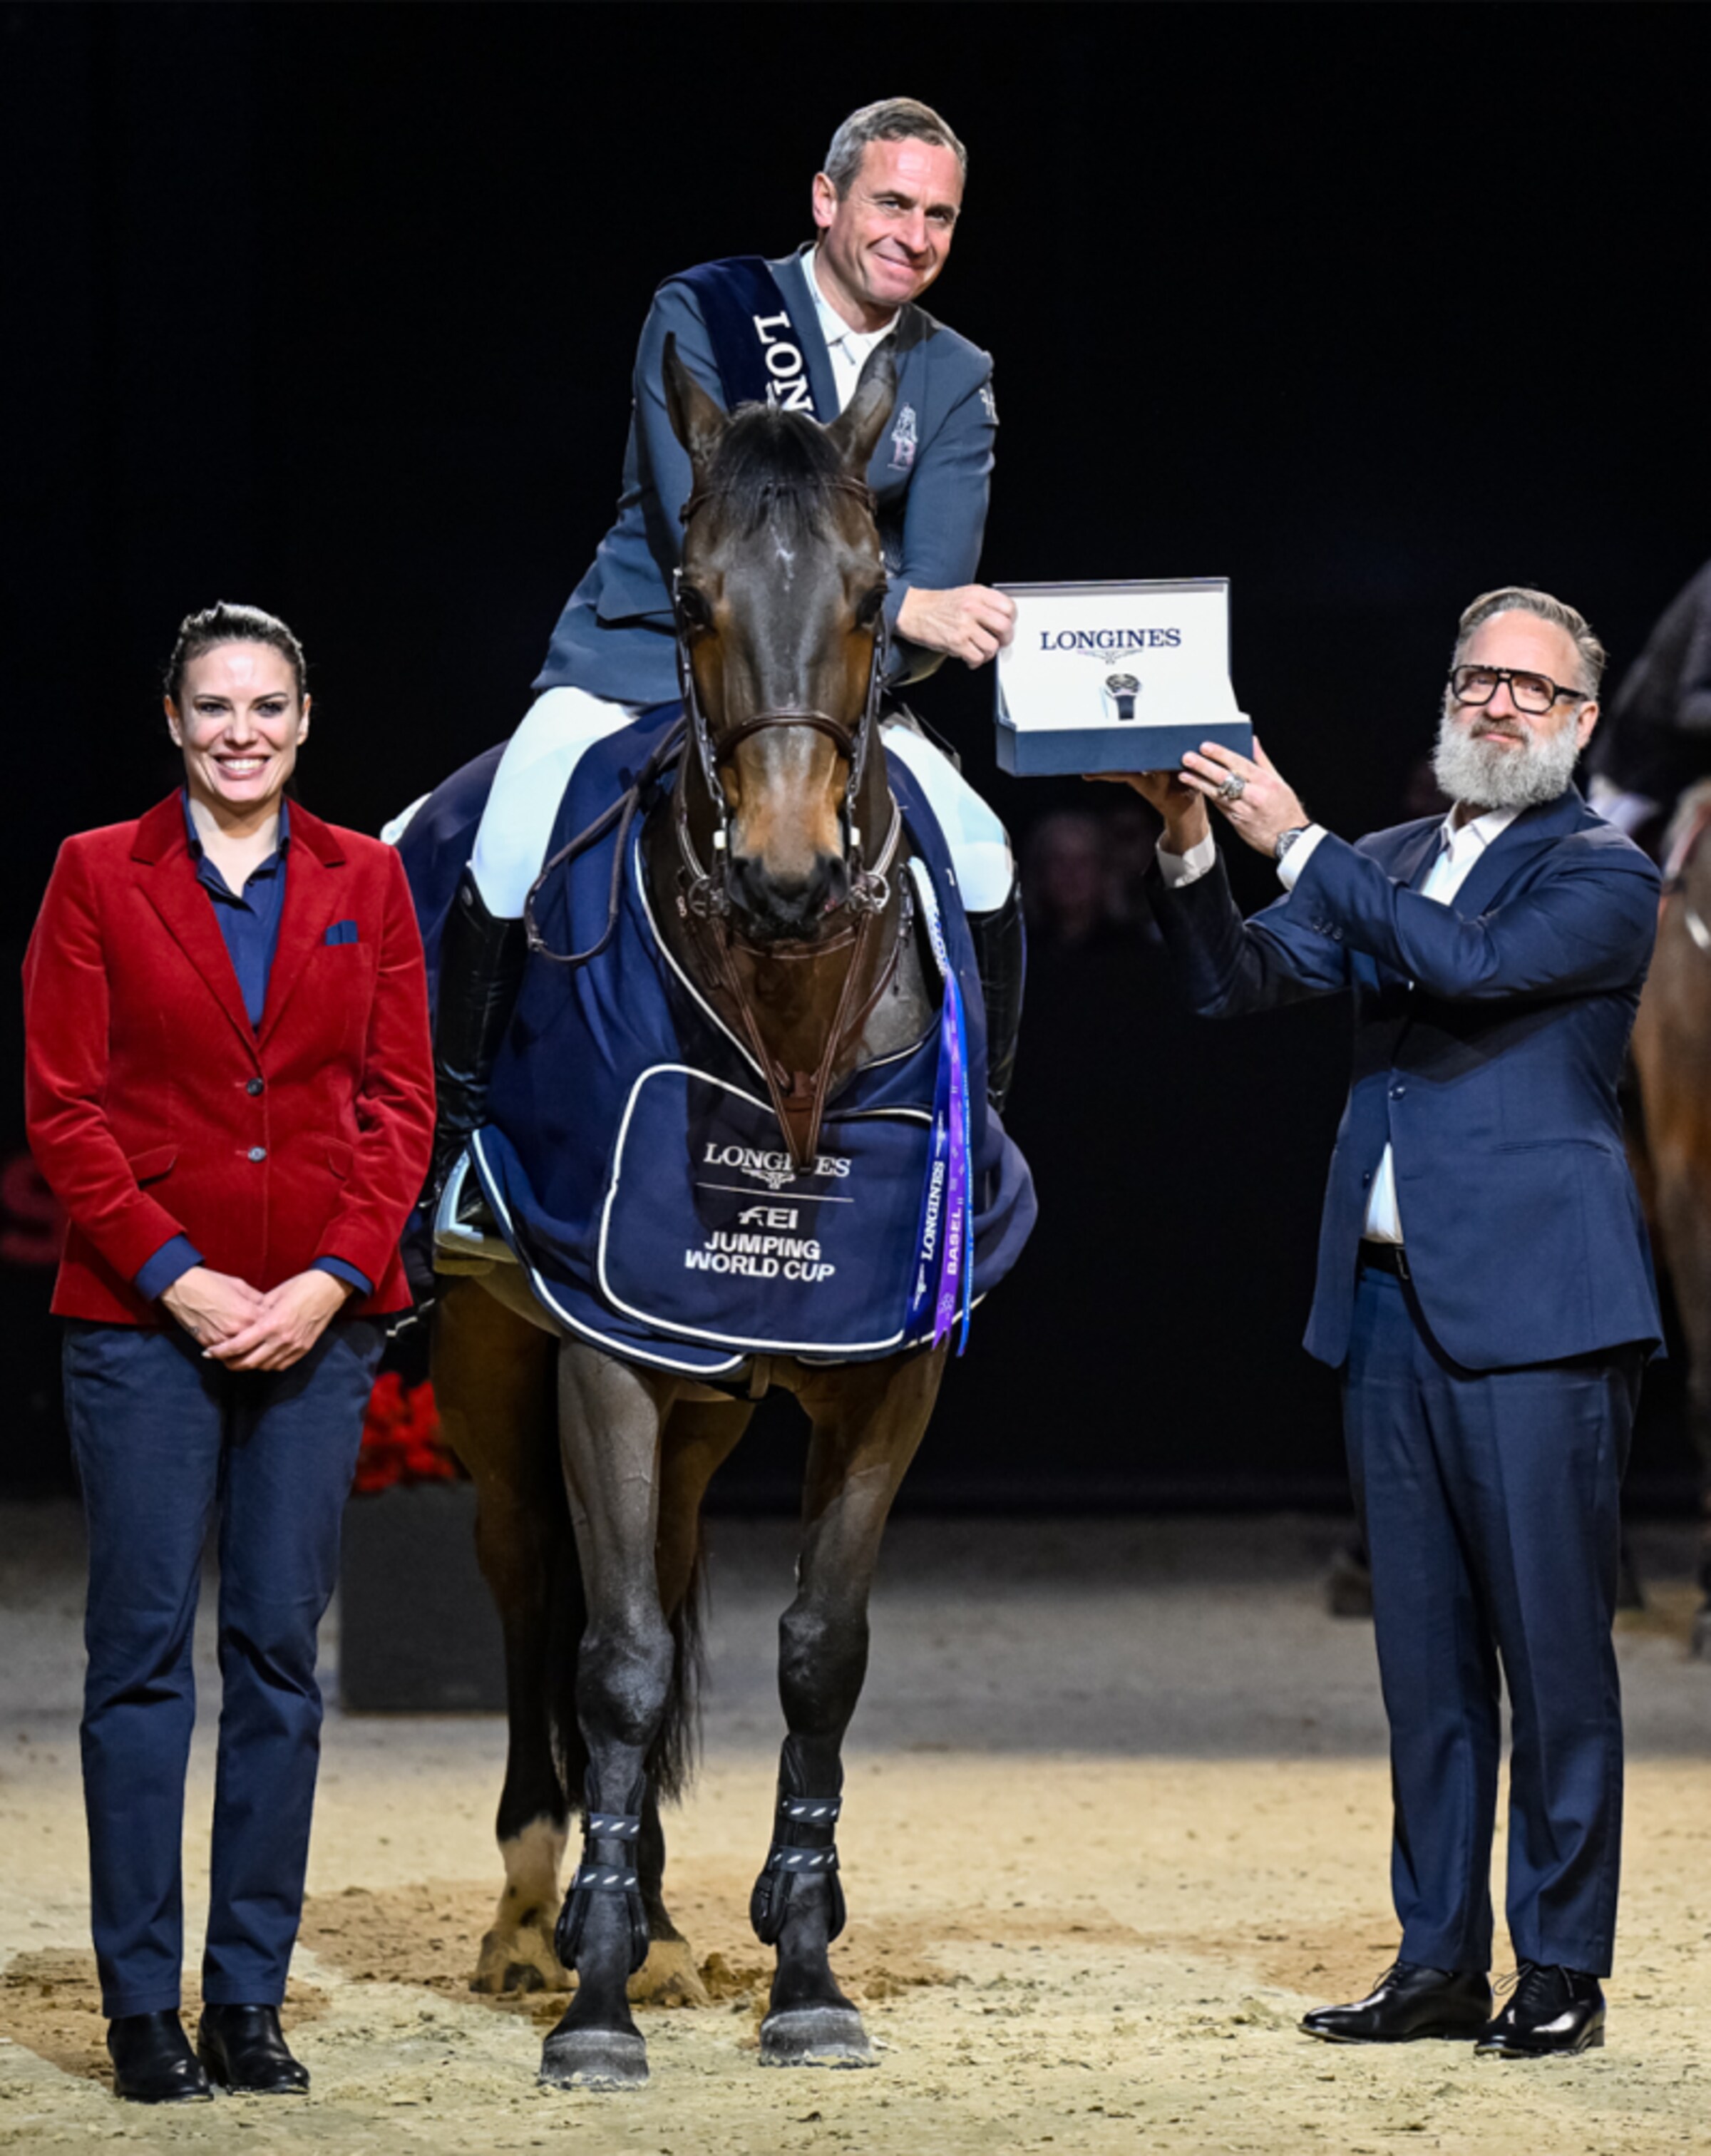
834 882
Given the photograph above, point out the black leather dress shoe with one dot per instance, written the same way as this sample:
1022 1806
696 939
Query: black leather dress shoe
152 2061
1409 2002
244 2051
1551 2012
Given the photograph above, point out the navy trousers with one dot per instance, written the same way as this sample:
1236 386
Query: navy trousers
160 1437
1490 1505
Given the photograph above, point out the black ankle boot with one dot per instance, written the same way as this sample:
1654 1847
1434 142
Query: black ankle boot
152 2061
244 2050
1001 952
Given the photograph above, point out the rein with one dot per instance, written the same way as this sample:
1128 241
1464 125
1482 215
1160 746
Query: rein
1675 877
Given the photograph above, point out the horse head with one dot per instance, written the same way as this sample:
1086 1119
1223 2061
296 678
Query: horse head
781 637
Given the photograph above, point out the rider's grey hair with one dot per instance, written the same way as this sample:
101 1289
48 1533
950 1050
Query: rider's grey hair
892 119
1518 599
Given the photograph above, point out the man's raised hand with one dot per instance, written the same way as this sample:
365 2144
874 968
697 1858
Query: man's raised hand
973 622
1260 807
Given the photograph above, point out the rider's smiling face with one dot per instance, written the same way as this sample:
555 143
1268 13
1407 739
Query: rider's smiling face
884 242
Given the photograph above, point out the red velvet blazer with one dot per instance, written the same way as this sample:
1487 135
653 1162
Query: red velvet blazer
155 1109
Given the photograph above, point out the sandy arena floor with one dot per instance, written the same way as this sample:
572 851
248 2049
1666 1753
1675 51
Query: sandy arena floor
1116 1814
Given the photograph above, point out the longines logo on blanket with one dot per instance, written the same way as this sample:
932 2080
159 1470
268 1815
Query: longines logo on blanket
1109 640
774 1169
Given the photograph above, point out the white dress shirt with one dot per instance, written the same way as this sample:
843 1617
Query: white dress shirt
848 348
1459 847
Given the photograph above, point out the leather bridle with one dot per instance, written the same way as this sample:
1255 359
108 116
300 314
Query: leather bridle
798 1098
707 893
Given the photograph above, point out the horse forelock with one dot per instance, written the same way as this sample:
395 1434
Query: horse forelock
771 462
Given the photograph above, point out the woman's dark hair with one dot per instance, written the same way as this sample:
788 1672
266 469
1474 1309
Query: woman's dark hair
222 623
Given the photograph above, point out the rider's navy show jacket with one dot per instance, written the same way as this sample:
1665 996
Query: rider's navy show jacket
1489 1035
931 474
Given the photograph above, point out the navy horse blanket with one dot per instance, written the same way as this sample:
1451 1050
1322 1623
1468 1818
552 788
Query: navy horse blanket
632 1156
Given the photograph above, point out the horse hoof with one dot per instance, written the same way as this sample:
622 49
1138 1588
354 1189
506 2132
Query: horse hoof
815 2036
517 1961
594 2058
668 1977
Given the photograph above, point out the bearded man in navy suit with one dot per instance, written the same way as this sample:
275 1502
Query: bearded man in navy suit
1484 1286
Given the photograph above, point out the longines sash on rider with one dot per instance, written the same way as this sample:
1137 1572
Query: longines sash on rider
761 352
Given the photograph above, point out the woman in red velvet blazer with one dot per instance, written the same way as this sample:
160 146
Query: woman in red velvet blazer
230 1088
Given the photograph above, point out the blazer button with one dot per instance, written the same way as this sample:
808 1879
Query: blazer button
1397 1092
255 1086
258 1152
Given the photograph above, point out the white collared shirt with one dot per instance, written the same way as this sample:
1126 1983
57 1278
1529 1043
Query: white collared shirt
848 348
1459 847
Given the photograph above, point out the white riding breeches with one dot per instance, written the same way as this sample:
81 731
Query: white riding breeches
516 824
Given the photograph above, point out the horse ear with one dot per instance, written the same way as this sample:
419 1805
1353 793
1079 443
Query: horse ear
855 432
695 419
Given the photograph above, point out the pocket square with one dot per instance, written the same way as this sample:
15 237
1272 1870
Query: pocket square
342 932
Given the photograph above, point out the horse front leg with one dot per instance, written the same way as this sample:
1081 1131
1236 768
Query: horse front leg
495 1385
1684 1217
611 1420
868 1419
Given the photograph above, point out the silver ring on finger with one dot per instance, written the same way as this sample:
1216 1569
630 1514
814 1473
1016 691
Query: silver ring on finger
1233 787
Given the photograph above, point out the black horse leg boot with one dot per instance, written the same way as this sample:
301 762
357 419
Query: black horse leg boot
1001 952
481 962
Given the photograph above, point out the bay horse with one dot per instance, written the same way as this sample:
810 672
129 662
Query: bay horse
775 866
1672 1053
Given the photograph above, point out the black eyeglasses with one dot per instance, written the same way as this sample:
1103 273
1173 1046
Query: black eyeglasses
1530 692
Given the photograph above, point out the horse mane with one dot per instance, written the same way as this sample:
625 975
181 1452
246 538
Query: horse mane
770 462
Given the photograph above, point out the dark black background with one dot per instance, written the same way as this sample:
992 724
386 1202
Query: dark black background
1368 307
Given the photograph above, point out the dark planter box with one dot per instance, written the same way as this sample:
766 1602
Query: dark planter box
418 1631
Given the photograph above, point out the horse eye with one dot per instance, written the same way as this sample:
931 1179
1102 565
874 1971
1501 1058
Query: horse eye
693 606
867 608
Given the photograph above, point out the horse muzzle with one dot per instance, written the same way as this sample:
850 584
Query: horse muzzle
775 906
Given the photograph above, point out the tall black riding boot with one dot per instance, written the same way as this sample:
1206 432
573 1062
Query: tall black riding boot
1001 952
481 962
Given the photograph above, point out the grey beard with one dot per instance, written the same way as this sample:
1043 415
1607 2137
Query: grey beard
1485 776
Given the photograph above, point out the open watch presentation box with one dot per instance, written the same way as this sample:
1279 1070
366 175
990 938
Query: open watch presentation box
1117 677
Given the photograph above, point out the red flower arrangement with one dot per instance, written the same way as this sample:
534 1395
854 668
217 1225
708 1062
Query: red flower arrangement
401 1439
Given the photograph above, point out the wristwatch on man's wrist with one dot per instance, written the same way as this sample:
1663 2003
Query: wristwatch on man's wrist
1285 841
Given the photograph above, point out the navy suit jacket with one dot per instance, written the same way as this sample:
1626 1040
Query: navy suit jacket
1489 1037
614 637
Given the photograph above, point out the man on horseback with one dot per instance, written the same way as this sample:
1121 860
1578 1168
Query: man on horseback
1484 1288
733 1137
794 333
